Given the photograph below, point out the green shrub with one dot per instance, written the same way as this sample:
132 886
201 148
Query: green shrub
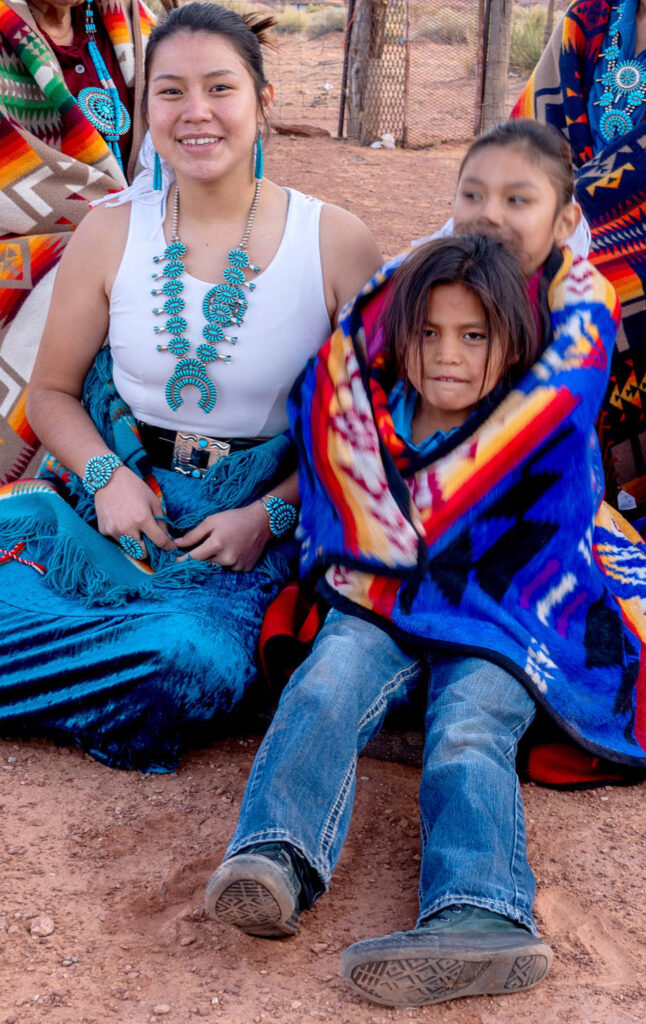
527 30
330 19
290 20
444 25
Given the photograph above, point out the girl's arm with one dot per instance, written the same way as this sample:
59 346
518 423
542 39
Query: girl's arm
74 332
349 257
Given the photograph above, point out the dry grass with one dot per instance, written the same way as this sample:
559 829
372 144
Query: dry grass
324 20
444 25
527 29
289 20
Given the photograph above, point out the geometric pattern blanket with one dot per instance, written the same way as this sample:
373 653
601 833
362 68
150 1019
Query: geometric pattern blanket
610 185
53 163
521 564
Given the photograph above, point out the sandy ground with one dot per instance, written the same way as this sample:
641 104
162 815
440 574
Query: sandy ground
112 866
118 863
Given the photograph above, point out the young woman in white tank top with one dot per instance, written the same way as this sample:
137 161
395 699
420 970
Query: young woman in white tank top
284 323
129 661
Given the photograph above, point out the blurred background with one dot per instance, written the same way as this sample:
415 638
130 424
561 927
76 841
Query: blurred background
419 71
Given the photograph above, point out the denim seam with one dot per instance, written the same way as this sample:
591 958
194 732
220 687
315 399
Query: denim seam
518 827
518 732
387 689
376 709
424 829
424 835
330 826
518 811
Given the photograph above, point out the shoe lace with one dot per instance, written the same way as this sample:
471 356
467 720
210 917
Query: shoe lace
448 913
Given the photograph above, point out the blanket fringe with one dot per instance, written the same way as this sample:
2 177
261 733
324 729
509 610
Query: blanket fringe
71 571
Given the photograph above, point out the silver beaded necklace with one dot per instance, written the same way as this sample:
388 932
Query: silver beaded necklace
224 306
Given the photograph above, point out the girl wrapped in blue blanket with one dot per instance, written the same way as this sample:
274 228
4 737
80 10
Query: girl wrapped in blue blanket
450 480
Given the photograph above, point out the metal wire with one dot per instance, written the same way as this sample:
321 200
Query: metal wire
419 80
421 67
413 72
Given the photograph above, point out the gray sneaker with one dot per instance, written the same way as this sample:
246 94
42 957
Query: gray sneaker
463 951
256 892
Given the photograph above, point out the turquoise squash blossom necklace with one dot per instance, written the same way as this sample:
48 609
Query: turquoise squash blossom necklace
625 79
224 306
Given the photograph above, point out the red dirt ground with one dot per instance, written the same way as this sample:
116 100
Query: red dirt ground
118 862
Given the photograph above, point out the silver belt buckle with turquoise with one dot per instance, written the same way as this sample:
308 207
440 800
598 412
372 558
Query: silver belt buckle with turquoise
189 451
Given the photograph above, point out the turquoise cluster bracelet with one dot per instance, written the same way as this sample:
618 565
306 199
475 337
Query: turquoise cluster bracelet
282 516
98 471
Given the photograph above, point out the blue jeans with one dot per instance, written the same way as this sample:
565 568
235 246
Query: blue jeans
302 784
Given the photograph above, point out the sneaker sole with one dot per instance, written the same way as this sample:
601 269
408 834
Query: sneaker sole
398 979
250 893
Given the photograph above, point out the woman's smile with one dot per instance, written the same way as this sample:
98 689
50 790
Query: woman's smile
200 140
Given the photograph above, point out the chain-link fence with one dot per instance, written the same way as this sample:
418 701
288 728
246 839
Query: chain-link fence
412 72
305 62
376 70
410 69
418 69
442 43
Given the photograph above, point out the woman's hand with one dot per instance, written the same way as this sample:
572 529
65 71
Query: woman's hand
126 506
235 539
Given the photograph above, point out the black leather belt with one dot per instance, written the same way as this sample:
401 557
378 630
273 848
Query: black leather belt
186 452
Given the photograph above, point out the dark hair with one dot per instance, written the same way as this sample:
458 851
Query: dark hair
245 32
487 269
546 146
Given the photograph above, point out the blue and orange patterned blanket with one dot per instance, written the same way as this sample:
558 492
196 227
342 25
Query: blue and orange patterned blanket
522 563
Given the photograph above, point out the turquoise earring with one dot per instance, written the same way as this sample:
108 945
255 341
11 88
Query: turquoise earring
157 173
258 169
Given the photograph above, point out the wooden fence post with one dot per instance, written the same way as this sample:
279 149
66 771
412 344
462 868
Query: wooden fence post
358 66
496 63
549 23
481 64
364 70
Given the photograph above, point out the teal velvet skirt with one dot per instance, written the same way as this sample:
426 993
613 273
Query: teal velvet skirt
130 669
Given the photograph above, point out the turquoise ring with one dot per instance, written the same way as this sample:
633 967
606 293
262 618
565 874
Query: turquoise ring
131 546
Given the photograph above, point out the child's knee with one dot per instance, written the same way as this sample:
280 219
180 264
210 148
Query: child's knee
464 730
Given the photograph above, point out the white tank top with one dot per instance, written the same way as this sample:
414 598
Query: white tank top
286 322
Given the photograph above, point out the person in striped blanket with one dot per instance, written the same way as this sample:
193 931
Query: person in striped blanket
65 66
590 86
